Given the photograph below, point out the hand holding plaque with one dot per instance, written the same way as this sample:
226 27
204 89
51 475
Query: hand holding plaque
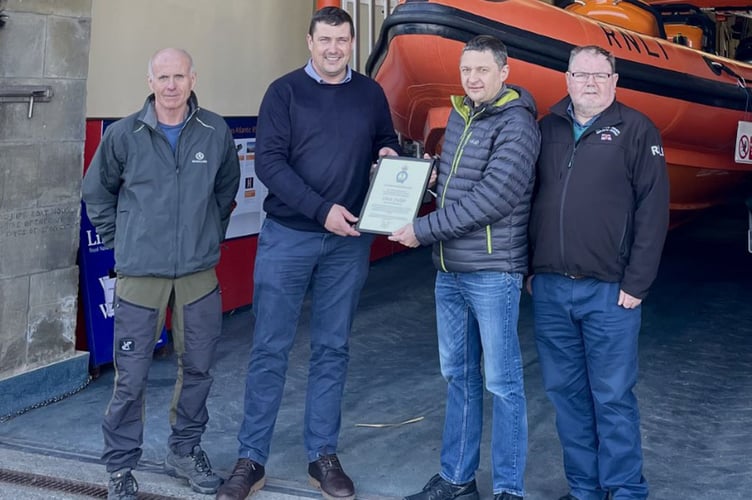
395 194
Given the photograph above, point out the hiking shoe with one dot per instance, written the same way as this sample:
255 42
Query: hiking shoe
247 477
194 468
327 475
122 486
438 488
507 496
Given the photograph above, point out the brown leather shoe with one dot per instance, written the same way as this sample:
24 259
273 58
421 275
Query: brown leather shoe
326 474
247 477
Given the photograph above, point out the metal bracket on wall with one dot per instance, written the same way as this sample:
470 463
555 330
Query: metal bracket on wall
25 93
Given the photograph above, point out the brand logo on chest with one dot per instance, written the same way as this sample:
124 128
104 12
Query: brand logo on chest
607 134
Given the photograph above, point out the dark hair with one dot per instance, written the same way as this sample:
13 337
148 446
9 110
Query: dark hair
595 50
482 43
333 16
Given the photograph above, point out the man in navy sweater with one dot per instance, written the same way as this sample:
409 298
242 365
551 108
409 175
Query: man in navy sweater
320 128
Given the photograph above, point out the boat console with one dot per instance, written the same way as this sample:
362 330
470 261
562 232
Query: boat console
634 15
687 25
683 24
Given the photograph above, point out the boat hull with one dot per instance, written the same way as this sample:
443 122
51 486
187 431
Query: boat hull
695 99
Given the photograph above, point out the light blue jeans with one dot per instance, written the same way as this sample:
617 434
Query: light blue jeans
476 316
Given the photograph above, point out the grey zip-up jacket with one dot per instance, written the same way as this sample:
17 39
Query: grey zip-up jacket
485 182
164 213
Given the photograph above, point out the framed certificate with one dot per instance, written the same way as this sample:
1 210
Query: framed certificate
395 194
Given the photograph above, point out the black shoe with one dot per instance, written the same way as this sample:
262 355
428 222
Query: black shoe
247 477
194 468
439 489
122 486
327 475
506 496
569 496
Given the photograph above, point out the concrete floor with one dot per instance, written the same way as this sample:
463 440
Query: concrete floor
695 390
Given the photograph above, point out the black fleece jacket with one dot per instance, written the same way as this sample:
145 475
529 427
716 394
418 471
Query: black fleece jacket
601 204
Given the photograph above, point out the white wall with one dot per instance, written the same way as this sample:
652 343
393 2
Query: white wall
238 47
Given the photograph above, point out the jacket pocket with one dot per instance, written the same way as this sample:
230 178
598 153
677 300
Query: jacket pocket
122 238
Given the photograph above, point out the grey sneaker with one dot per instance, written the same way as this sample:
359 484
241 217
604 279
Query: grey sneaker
122 486
194 468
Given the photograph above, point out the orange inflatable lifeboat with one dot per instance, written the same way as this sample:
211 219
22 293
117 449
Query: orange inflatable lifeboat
695 98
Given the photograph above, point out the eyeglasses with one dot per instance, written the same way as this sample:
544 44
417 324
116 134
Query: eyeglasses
582 77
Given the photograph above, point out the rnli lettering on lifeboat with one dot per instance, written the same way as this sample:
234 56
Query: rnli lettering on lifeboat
633 42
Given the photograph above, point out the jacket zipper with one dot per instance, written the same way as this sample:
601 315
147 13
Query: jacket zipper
464 138
563 199
570 164
177 175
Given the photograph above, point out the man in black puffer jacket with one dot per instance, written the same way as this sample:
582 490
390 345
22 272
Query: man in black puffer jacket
479 237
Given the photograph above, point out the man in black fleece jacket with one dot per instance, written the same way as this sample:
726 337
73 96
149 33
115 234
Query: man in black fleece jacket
600 216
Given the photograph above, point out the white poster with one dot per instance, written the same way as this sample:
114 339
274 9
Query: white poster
249 213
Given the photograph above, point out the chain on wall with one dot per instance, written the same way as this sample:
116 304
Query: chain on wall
46 402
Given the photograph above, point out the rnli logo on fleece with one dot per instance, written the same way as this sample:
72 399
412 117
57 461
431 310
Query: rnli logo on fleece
199 158
608 133
656 150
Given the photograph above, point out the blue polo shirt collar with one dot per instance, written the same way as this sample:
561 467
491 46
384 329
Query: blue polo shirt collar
313 74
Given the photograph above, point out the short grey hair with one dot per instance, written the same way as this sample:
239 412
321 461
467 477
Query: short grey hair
150 71
594 50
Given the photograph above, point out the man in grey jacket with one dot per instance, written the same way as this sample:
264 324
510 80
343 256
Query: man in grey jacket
159 191
479 237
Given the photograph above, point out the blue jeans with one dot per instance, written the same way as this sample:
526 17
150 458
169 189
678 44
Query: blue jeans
476 315
587 345
287 263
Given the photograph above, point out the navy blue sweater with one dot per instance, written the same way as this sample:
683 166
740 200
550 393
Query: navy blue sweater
315 144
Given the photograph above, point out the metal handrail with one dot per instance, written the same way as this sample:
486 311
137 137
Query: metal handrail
26 93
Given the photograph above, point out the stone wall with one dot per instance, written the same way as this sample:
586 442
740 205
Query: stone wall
43 42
